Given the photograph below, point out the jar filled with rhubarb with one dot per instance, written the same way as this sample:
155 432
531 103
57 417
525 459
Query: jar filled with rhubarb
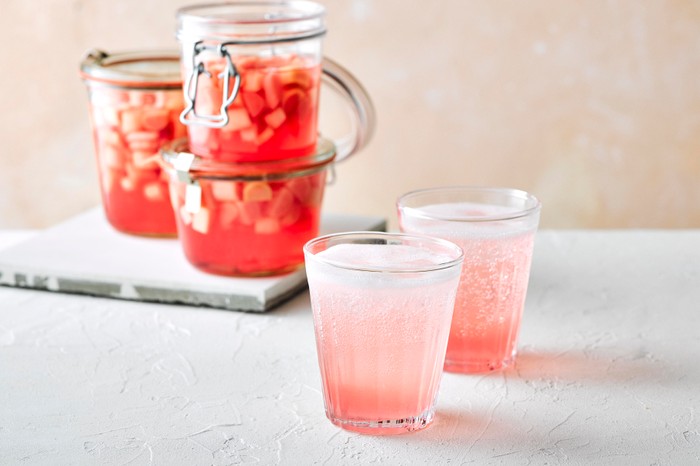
135 100
252 72
246 219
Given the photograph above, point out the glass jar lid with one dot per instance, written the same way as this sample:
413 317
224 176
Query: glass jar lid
252 22
156 69
176 156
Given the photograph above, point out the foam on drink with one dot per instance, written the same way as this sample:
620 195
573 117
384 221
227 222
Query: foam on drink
356 259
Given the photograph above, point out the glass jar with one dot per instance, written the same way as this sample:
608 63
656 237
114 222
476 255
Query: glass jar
246 219
135 103
252 73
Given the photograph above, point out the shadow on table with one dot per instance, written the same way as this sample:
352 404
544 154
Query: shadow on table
586 366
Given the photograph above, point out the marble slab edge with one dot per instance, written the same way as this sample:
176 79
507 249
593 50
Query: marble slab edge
152 294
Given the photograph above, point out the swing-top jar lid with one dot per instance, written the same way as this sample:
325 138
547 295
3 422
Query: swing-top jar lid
176 156
146 69
252 22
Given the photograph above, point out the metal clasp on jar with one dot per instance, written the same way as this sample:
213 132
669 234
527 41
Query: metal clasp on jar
191 86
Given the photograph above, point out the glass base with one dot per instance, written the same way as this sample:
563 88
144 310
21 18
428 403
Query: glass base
386 426
478 367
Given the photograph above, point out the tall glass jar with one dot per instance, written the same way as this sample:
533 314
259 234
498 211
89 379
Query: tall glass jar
135 105
252 73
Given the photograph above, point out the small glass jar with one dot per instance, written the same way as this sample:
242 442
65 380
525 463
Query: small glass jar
246 219
252 72
135 104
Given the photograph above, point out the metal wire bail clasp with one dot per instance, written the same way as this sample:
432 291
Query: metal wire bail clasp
230 72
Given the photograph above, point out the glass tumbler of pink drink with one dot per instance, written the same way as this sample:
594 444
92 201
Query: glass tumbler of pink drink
496 229
382 306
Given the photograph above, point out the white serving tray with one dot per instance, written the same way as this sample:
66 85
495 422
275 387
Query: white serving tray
86 255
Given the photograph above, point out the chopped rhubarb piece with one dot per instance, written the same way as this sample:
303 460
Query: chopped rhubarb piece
131 121
161 99
228 214
155 119
272 87
275 118
300 187
224 191
249 212
148 99
169 100
127 184
292 216
136 99
264 136
145 141
137 174
252 81
254 103
281 203
111 156
237 119
296 102
267 226
249 134
185 215
145 159
257 191
204 104
110 115
142 136
154 191
143 146
110 136
200 221
296 77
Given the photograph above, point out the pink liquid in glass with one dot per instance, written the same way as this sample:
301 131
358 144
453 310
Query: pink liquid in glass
493 284
380 339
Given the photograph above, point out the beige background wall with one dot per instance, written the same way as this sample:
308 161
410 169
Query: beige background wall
593 106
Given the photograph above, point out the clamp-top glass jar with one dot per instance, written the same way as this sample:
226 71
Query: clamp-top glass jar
246 219
252 74
135 104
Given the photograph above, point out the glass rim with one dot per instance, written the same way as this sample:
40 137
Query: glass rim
111 69
205 15
512 192
386 235
270 170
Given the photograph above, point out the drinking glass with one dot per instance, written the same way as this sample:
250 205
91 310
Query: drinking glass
496 229
382 305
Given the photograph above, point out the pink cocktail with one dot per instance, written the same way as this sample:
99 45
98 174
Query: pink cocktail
382 307
496 229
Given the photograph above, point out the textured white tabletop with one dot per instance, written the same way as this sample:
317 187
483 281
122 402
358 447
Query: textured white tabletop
608 373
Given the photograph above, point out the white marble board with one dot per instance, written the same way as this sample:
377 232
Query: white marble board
85 255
